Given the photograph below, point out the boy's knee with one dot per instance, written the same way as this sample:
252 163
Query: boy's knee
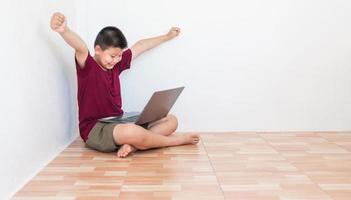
173 121
172 117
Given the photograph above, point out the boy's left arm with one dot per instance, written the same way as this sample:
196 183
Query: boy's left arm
143 45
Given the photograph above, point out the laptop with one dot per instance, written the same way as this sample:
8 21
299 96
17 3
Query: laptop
158 107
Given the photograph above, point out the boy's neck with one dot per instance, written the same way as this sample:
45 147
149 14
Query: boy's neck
97 60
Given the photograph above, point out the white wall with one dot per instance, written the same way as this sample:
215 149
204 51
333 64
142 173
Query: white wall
38 90
247 65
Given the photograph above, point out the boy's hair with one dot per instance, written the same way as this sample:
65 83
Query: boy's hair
110 36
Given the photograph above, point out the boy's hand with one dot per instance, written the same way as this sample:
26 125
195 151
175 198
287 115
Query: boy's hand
58 22
173 32
143 45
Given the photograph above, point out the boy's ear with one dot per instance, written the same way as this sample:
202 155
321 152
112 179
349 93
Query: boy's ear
97 49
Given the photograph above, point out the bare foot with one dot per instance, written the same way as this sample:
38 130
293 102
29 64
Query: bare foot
191 138
125 150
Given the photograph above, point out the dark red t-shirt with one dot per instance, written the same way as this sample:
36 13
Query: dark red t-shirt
99 92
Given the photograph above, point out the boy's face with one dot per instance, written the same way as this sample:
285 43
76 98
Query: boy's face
109 57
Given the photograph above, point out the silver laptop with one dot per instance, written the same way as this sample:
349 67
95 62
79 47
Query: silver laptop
158 107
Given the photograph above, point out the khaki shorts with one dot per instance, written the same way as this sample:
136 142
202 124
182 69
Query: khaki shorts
101 137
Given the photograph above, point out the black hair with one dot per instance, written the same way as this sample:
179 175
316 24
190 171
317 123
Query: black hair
110 36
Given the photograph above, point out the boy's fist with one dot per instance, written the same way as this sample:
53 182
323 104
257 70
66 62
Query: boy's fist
173 32
58 22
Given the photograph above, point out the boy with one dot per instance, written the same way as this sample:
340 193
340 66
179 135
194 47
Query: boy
99 92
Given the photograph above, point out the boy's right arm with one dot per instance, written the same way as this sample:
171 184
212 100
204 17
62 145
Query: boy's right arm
59 24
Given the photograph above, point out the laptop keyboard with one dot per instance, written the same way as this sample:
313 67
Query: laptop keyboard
131 119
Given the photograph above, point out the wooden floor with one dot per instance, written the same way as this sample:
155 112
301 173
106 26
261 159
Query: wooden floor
223 166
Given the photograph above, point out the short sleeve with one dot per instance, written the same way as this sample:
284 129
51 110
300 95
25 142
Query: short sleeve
125 61
87 65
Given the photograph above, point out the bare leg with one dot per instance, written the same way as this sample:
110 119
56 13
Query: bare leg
144 139
165 126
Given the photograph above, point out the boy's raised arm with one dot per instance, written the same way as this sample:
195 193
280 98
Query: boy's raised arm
143 45
59 24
